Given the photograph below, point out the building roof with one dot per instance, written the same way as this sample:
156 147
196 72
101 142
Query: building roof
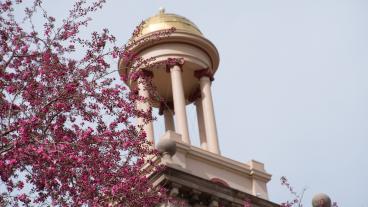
164 20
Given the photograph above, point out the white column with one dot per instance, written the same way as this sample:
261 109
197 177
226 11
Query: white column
179 102
145 106
169 120
209 114
201 127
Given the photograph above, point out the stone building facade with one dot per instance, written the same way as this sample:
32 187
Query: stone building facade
199 175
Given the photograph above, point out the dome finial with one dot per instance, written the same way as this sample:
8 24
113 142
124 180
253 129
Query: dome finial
321 200
161 10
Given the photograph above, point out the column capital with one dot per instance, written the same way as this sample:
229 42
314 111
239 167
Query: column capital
204 72
147 73
170 62
142 74
165 106
194 96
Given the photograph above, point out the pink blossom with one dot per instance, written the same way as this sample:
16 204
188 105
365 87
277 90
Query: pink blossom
11 89
55 131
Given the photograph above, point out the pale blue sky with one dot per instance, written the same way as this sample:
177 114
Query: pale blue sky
291 90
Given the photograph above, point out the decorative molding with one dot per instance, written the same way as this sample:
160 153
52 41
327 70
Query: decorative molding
217 160
220 181
170 62
147 73
204 72
194 96
143 73
205 191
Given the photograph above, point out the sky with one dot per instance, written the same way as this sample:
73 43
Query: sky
291 90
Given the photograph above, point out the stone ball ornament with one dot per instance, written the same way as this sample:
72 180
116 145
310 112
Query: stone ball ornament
321 200
166 146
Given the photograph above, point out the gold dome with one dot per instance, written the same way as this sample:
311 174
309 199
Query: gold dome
163 21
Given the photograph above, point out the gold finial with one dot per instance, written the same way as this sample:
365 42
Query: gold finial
161 10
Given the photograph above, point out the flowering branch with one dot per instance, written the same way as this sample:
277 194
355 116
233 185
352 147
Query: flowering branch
65 123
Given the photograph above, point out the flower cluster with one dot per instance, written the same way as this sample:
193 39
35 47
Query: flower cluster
65 123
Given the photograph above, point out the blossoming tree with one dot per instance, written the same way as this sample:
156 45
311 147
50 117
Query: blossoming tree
66 136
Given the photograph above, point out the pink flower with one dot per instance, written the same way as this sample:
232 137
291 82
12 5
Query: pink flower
11 162
11 89
20 185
